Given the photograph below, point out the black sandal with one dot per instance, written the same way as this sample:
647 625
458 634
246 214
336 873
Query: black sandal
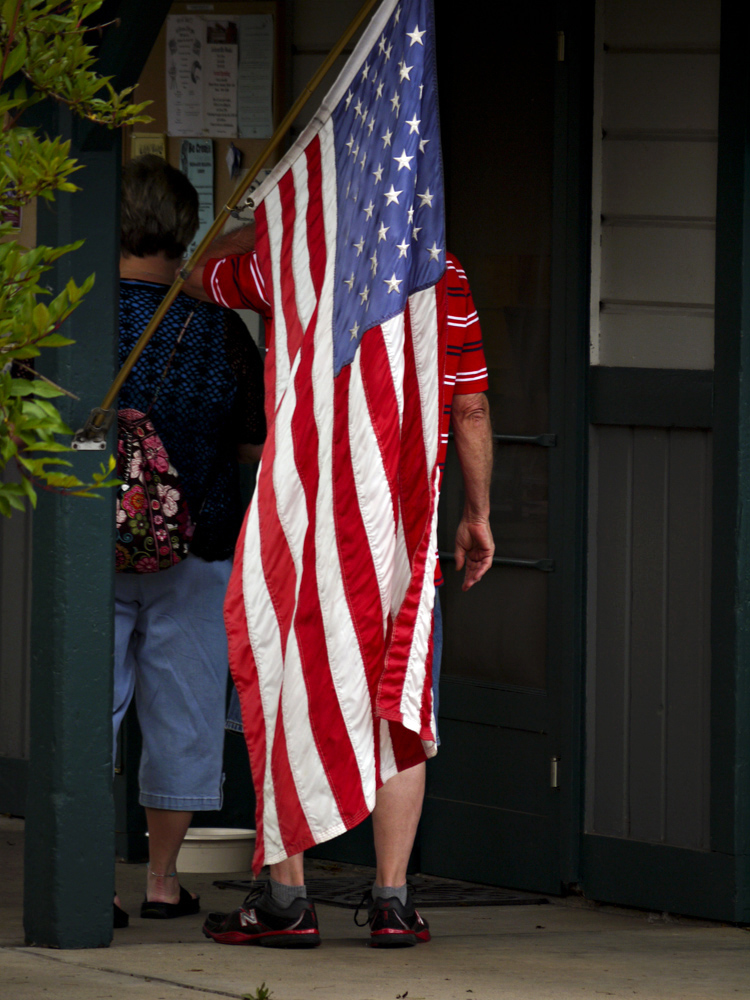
119 917
166 911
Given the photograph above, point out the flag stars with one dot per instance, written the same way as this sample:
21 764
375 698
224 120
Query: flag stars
363 161
354 330
426 198
374 263
395 103
423 145
414 125
391 197
382 231
366 70
364 295
397 15
416 36
350 144
358 109
379 91
434 252
349 99
368 211
350 281
393 283
359 247
404 71
410 215
414 233
382 44
387 52
402 247
386 138
371 125
378 173
403 160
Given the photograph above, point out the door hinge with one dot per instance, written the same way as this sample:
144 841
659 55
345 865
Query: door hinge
554 776
561 46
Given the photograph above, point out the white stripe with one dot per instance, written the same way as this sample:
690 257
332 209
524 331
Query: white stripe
424 326
344 656
388 766
275 234
412 693
373 489
265 639
393 335
303 285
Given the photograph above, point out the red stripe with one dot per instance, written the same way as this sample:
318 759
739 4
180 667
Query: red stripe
326 720
294 331
382 405
244 673
293 827
355 558
316 241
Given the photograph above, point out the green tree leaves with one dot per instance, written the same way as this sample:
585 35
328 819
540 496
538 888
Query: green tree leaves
44 52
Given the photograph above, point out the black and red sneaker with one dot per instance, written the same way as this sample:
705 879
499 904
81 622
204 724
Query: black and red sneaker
393 925
262 921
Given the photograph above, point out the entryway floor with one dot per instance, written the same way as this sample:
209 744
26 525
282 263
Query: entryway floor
567 950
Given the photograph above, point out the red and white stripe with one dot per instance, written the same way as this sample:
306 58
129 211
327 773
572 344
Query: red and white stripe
329 610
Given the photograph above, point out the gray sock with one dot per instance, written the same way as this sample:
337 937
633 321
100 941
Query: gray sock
285 895
385 891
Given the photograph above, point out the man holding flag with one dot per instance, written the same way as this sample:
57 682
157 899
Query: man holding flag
330 608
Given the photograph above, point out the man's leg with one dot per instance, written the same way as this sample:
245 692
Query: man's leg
398 806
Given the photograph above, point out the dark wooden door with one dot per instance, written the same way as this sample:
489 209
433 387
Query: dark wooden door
494 807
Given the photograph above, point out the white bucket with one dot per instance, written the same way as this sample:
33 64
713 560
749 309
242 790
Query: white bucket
219 850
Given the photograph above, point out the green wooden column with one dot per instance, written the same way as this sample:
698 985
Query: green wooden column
730 606
69 859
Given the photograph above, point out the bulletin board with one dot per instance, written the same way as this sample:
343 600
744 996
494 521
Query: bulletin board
154 82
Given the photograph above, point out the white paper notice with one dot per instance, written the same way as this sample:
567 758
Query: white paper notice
185 53
254 106
220 87
197 161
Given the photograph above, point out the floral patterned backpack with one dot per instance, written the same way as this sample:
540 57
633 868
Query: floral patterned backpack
153 521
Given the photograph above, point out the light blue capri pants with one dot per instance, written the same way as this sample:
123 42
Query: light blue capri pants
171 651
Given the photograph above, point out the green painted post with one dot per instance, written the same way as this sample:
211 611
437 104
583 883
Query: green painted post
730 604
69 860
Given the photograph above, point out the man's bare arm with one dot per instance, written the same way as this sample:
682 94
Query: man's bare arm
240 240
472 434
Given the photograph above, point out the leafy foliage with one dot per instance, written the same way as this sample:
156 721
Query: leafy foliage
43 54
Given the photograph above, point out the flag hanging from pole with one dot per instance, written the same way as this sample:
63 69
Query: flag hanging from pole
329 610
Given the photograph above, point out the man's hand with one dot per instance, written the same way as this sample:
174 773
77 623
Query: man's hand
475 548
472 433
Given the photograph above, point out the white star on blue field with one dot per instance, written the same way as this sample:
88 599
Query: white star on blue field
391 228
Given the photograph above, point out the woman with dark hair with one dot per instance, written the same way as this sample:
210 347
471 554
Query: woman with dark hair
206 405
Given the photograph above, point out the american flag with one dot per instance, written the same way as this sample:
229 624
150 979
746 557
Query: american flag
329 611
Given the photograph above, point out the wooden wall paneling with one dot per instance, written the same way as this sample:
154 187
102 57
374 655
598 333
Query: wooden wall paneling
611 656
688 645
648 634
661 91
673 23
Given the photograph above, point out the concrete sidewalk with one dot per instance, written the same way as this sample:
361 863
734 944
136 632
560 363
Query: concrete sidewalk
563 951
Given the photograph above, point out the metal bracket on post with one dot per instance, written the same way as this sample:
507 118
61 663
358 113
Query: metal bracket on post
93 435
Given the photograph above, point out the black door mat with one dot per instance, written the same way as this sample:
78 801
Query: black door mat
347 891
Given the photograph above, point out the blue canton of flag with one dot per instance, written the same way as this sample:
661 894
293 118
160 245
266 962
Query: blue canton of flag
391 220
